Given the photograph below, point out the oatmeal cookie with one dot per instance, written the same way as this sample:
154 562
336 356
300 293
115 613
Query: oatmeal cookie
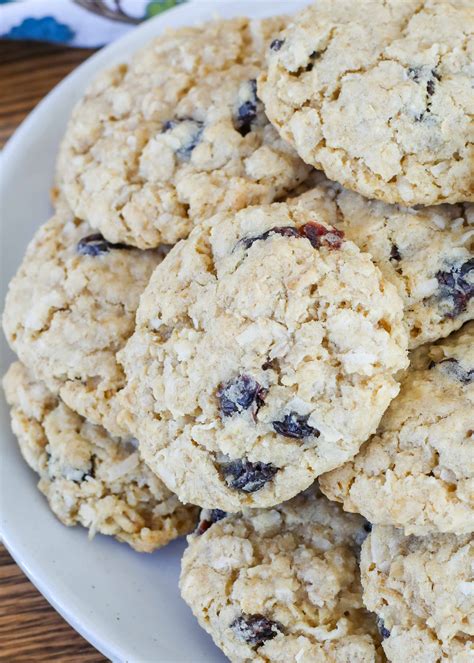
264 355
422 589
281 585
71 307
89 477
417 472
177 135
383 106
427 252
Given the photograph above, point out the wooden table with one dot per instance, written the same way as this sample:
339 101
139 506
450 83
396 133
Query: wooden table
31 631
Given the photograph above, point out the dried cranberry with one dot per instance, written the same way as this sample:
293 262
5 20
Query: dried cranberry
286 231
314 56
246 476
415 73
191 135
270 364
428 76
277 44
239 394
247 111
256 629
455 288
319 235
420 74
454 369
87 475
295 425
395 254
361 536
168 125
212 516
430 84
310 64
96 245
430 87
90 473
384 632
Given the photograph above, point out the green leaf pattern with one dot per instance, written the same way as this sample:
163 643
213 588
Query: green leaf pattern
157 6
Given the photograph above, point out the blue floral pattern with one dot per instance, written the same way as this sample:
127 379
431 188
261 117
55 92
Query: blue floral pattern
41 29
84 23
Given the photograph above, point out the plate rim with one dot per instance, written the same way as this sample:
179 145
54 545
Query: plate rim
68 617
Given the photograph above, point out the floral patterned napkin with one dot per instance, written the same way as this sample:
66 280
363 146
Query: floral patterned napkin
85 23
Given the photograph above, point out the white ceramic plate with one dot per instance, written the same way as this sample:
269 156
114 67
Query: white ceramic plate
127 605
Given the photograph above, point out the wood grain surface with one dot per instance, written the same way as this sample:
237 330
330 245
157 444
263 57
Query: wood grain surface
28 71
31 631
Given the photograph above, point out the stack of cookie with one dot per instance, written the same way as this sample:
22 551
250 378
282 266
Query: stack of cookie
306 337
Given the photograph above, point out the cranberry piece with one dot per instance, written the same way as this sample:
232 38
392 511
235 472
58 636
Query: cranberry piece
286 231
421 74
96 245
319 235
295 425
384 632
191 135
430 87
277 44
395 254
429 77
415 73
270 364
239 394
212 516
247 112
246 476
456 286
361 536
255 629
454 369
314 56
